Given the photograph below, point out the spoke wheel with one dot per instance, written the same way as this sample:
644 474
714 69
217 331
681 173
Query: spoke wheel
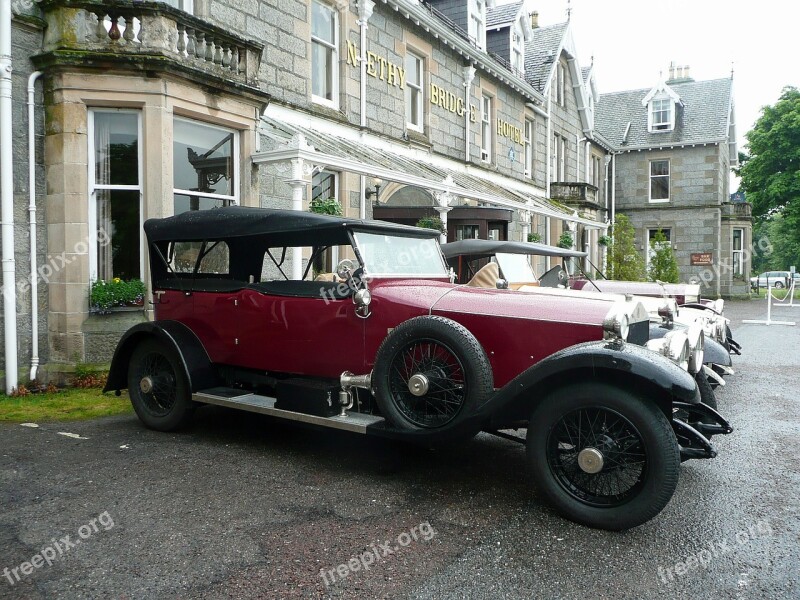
597 456
158 388
427 383
603 456
431 374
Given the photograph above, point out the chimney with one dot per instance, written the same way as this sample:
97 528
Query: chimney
686 72
672 70
534 19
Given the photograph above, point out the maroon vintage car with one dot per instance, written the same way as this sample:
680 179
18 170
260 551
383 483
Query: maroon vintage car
388 346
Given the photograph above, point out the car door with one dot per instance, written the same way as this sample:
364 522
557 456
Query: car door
310 334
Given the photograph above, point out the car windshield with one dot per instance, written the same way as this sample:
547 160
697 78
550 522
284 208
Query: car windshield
516 268
393 255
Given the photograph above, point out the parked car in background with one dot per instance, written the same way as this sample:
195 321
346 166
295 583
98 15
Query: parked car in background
467 257
776 279
388 346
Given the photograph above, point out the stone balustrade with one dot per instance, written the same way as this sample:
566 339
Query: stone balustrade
125 28
574 192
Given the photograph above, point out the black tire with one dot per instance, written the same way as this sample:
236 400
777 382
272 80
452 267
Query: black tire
167 404
457 376
778 285
640 457
707 394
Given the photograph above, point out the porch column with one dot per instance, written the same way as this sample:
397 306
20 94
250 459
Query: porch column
443 200
298 185
525 217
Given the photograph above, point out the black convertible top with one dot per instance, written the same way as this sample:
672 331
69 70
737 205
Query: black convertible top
485 248
274 227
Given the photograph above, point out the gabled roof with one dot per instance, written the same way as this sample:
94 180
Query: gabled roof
702 118
504 15
542 52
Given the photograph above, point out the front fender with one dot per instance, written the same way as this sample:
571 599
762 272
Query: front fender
630 366
177 337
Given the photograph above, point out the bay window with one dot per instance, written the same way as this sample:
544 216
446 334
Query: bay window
115 194
205 159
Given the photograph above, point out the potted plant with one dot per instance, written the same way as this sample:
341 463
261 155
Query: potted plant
534 237
565 241
604 240
326 206
107 296
432 223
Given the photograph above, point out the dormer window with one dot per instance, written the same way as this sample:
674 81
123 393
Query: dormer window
477 22
518 49
662 114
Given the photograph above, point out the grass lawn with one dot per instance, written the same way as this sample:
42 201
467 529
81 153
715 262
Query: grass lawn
776 293
71 404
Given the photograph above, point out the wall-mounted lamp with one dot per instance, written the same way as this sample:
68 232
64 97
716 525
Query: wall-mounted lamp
376 192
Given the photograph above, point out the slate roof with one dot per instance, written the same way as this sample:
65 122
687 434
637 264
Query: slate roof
540 53
502 15
702 118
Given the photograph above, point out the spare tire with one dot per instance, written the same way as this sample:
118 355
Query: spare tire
430 373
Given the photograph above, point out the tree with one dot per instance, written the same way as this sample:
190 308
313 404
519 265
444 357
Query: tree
623 261
663 266
771 177
432 223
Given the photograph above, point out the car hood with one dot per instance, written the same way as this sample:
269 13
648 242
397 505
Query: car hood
687 292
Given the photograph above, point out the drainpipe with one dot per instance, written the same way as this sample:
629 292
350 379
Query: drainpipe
365 8
613 189
548 173
469 75
32 215
7 201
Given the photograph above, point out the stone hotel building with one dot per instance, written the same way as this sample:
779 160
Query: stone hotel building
399 109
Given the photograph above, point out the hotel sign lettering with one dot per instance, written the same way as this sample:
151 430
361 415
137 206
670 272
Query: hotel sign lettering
378 67
449 101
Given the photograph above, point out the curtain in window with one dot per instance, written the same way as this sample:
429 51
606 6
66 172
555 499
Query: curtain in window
102 143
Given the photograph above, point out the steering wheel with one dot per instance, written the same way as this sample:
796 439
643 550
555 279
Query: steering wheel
345 269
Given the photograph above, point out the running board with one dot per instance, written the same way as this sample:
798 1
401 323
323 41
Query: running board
265 405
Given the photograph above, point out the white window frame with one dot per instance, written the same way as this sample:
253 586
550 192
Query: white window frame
561 85
517 57
334 47
738 267
559 168
530 129
184 5
486 128
650 181
233 200
94 186
419 89
477 22
659 106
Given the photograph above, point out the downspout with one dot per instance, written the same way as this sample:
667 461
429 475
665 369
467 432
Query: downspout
7 201
365 8
613 190
32 215
548 173
469 75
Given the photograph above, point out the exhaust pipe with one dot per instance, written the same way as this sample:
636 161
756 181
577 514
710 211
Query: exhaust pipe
349 381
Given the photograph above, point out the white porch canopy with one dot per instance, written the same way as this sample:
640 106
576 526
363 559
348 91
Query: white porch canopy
309 142
302 143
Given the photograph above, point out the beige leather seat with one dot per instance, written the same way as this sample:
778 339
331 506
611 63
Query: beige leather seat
486 277
326 277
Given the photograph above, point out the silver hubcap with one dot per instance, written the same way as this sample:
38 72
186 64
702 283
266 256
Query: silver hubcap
418 384
590 460
146 385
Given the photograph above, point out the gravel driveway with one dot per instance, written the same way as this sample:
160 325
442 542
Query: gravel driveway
243 507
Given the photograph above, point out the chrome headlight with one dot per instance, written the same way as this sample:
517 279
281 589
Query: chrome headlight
697 343
675 346
616 327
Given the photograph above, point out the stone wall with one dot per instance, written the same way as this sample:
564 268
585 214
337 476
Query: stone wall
26 39
697 184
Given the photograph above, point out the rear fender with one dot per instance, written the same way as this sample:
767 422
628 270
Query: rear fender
176 336
637 369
